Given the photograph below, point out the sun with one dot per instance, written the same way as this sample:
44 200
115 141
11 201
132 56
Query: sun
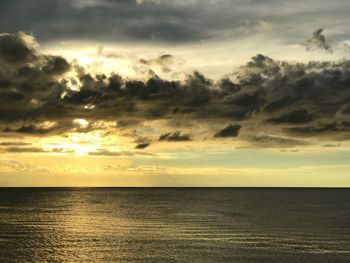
81 150
80 144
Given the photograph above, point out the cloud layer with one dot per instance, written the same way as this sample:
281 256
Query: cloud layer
266 102
166 20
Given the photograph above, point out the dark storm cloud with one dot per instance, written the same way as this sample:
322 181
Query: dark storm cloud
31 129
279 103
142 145
108 20
317 41
164 20
334 129
15 49
265 95
175 137
231 130
293 117
54 65
29 84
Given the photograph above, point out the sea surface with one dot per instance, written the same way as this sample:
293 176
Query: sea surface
174 225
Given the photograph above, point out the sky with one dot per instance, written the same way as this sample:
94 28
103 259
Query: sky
175 93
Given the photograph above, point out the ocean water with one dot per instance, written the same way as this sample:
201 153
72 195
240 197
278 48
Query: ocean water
174 225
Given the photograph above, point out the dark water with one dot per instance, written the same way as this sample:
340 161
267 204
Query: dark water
174 225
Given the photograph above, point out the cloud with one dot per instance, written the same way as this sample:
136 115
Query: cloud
256 26
23 150
14 143
17 48
81 4
43 95
142 145
106 152
317 41
175 137
293 117
103 152
15 167
231 130
332 145
334 130
169 21
271 141
164 63
147 1
31 129
346 48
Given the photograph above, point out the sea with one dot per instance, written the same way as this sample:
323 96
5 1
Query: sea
174 225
